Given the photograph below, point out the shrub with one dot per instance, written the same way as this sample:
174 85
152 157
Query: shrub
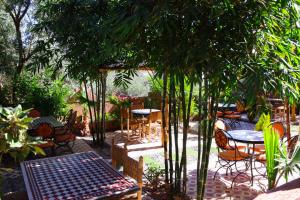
40 92
14 140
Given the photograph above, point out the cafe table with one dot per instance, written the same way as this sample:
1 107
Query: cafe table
47 119
250 137
143 112
141 115
74 176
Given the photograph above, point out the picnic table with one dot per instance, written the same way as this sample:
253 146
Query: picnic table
74 176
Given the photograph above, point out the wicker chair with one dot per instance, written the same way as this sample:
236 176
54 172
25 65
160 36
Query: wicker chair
228 155
134 169
118 154
46 132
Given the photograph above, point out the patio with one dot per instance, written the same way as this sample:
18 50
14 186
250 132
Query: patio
152 152
160 100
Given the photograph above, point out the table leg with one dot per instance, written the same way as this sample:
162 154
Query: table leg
251 162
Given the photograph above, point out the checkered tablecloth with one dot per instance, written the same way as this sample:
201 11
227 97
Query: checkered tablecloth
75 176
49 119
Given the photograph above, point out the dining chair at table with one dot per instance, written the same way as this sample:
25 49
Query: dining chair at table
153 124
291 144
64 136
229 154
279 128
133 126
34 113
134 169
118 154
46 132
221 124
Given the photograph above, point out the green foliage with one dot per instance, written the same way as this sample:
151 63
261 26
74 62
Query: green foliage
154 171
263 121
271 141
13 133
74 33
8 57
156 85
42 93
120 101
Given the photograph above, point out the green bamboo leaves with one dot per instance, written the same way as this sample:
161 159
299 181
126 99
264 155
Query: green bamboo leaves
271 140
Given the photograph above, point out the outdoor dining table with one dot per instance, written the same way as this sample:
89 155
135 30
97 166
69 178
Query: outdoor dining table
226 106
48 119
248 137
141 115
74 176
143 112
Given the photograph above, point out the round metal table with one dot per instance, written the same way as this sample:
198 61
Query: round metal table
142 115
248 137
143 112
226 106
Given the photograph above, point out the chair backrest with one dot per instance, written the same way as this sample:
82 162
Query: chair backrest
240 106
68 115
153 117
220 114
118 154
279 128
134 169
72 119
44 130
34 113
291 145
137 103
221 139
125 113
220 124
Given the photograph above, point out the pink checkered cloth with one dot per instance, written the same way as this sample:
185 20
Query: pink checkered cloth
75 176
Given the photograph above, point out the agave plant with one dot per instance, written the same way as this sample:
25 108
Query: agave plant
14 139
288 165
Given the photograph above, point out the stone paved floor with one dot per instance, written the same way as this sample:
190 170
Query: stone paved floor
220 188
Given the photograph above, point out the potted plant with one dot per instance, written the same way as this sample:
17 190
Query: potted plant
123 102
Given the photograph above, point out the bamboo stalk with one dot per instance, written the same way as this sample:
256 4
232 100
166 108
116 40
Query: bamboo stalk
170 132
103 83
95 114
175 125
165 145
90 111
199 137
